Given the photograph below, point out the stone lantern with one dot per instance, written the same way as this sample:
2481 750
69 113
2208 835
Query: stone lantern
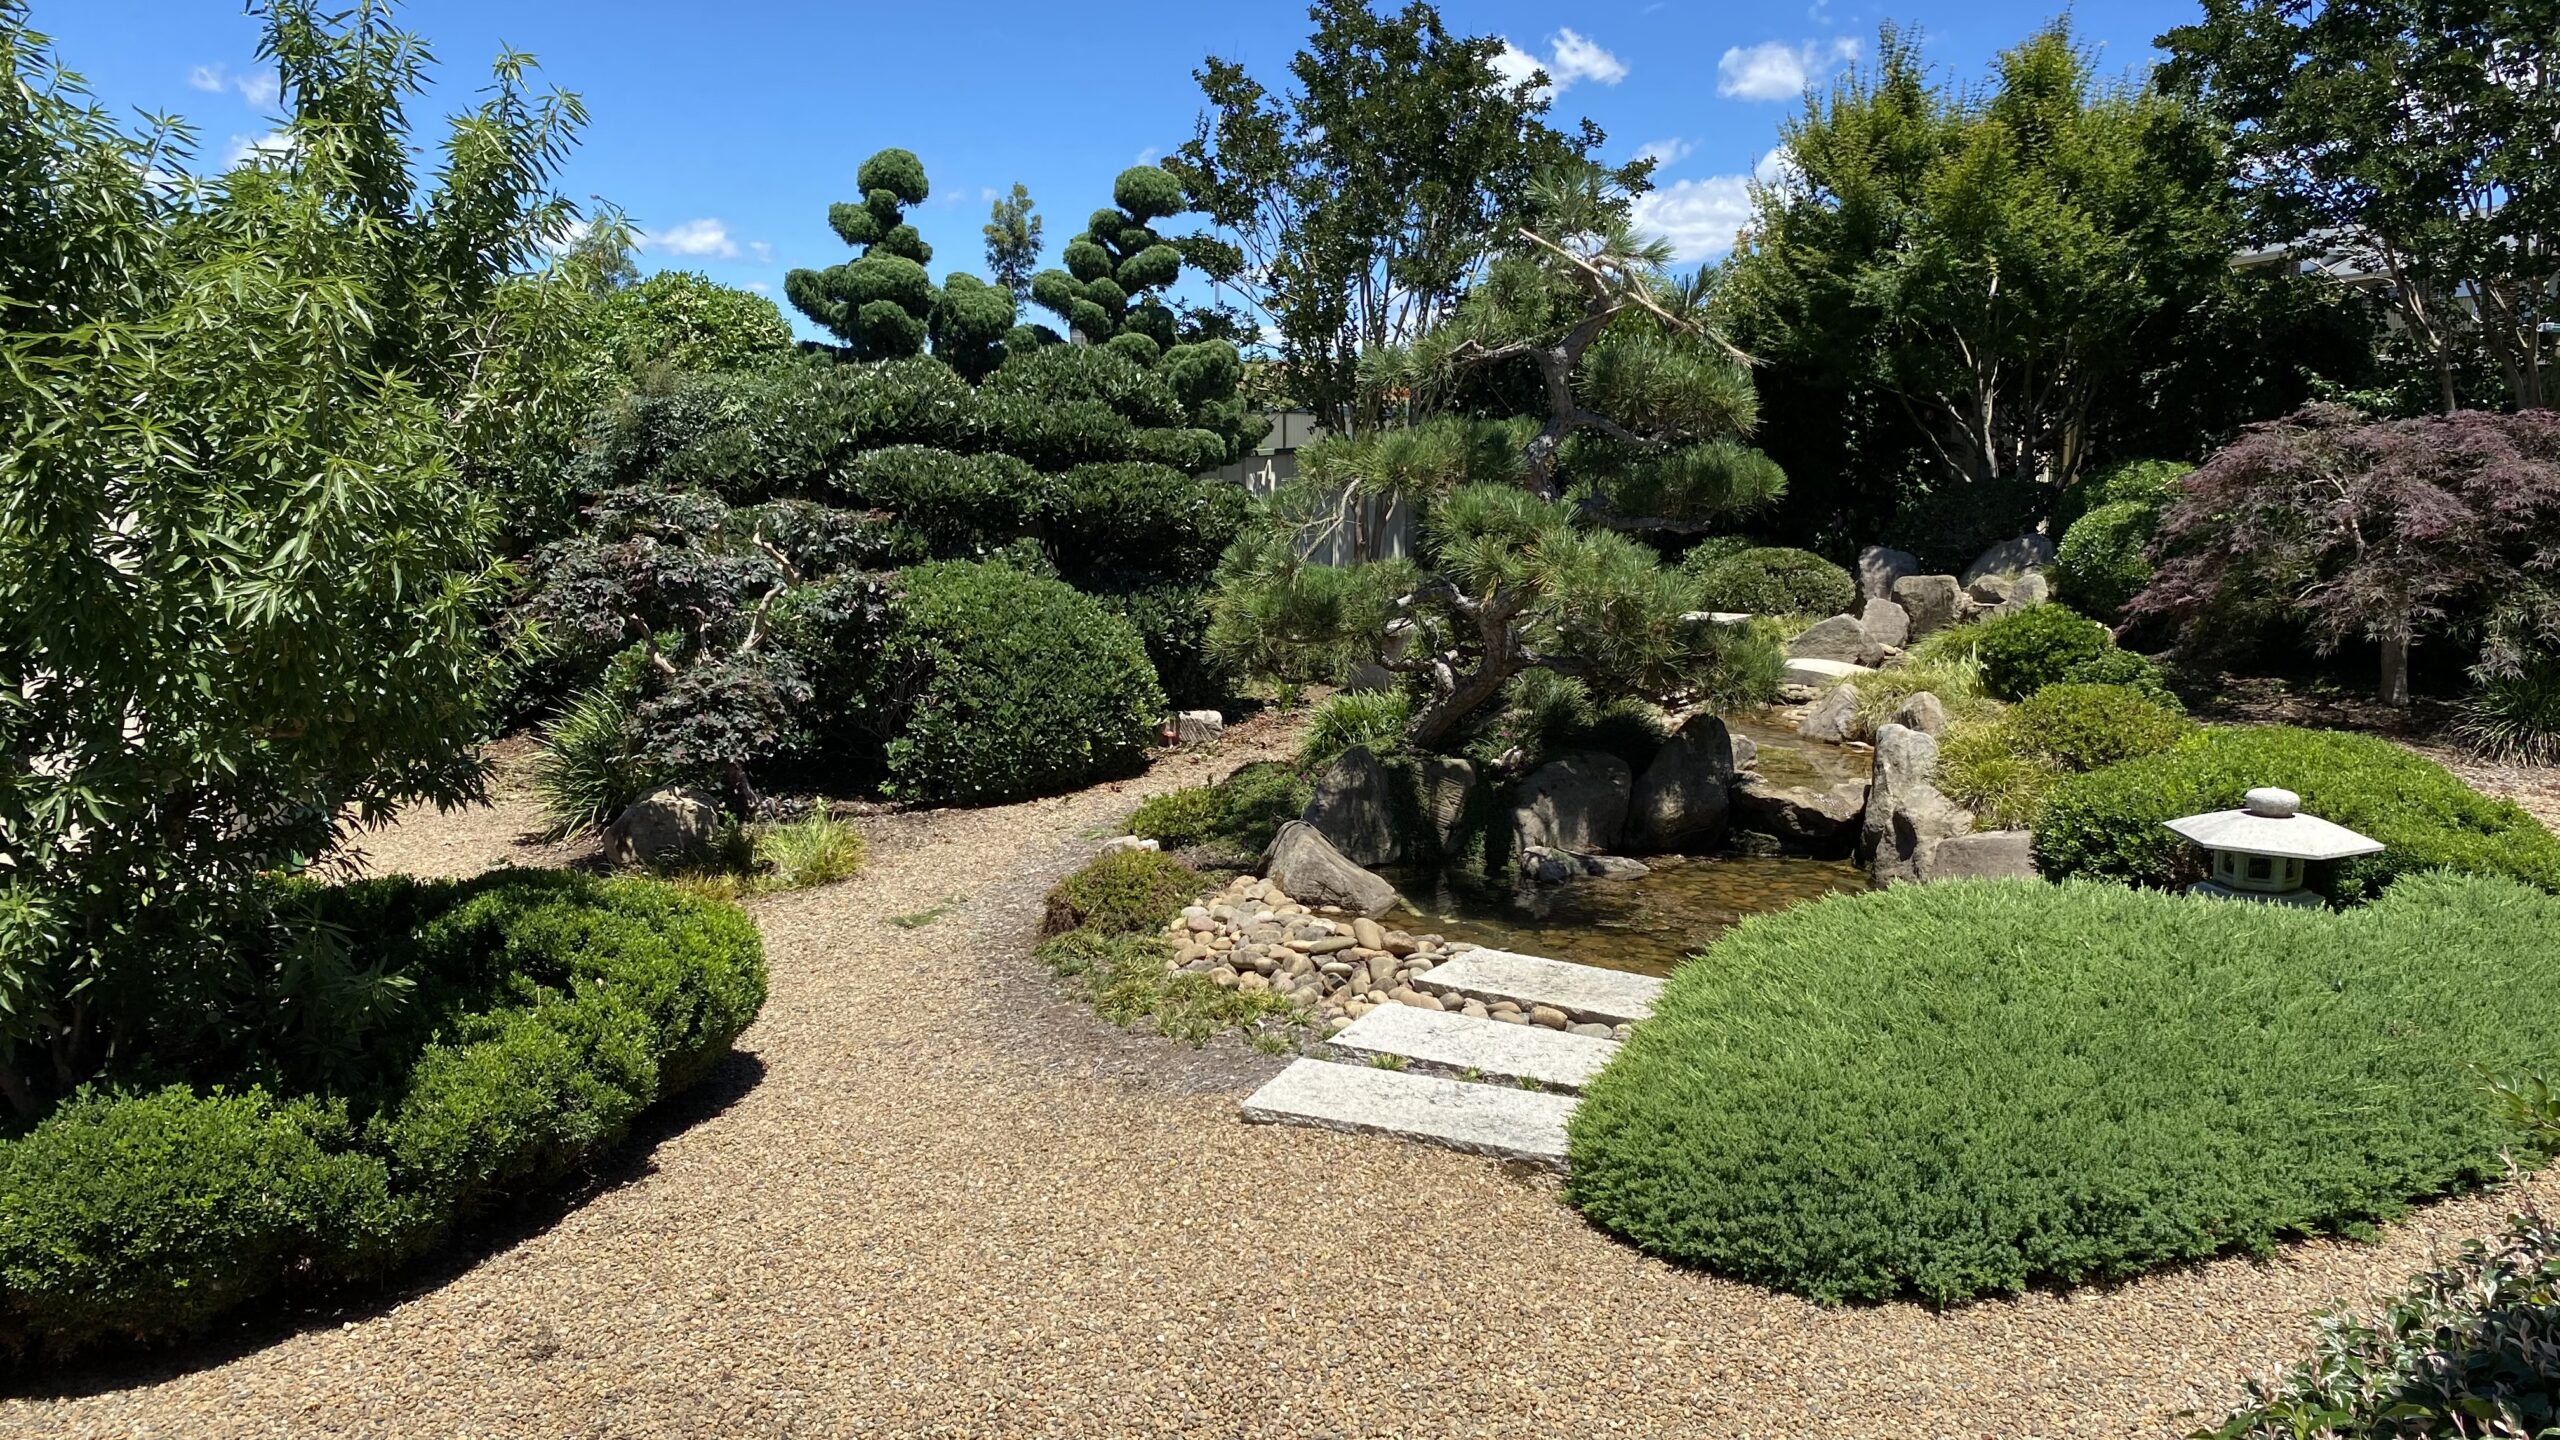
2259 849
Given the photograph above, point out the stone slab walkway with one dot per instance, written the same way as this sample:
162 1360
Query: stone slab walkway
1501 1121
1585 993
1444 1042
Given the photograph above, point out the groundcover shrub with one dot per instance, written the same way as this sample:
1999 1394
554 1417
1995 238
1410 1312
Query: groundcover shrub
2107 824
1773 580
1968 1088
545 1010
1239 815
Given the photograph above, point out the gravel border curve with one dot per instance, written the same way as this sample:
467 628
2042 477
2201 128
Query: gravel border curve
936 1198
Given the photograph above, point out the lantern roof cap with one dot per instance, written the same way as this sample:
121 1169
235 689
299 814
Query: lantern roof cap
2270 822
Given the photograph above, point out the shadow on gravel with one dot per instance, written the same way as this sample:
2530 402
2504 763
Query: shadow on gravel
265 1323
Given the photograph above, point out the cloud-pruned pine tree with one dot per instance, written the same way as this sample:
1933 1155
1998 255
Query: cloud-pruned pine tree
1118 267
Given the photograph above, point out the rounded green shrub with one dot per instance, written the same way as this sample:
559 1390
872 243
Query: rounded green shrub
913 401
2127 669
959 506
1969 1088
1239 814
1147 192
2108 824
1064 374
1772 581
2026 650
1180 819
999 684
2084 727
2101 564
1122 892
1137 517
1056 435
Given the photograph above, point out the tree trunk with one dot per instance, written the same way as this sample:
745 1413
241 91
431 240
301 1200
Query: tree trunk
2394 689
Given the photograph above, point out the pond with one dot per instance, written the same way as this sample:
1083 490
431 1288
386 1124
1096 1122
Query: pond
1647 924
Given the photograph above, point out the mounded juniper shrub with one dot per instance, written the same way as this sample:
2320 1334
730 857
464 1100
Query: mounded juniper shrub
2107 824
999 684
1969 1088
2002 768
545 1010
2042 645
2103 562
1122 892
1105 927
1774 580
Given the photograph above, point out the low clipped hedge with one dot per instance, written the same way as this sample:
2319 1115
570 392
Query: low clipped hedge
548 1011
1969 1088
998 684
2107 824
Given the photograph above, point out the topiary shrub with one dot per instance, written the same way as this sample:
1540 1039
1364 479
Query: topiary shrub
1969 1088
2026 650
998 684
958 506
2107 824
1772 581
1112 519
1121 892
914 401
2101 564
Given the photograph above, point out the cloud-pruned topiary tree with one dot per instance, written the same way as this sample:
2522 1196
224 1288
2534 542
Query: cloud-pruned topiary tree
1118 267
880 302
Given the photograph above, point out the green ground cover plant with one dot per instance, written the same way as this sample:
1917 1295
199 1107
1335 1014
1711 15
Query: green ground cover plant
534 1015
2107 824
1965 1089
2003 768
1239 814
1106 934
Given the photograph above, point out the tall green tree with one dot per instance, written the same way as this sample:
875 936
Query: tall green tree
1351 208
1118 267
1981 261
2416 139
1013 242
242 567
880 302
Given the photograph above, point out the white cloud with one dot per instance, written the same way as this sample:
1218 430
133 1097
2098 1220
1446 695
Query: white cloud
273 144
1571 57
1666 153
1779 71
762 250
208 77
760 287
701 239
1577 57
566 238
1701 217
259 90
1148 155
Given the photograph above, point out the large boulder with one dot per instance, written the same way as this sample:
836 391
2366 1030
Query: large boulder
1443 785
1575 802
2031 589
2011 558
1983 855
1887 625
1683 798
1933 602
1310 871
1353 807
1822 822
663 827
1842 637
1907 815
1991 589
1922 711
1833 718
1879 566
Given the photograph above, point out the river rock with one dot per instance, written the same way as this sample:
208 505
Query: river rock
1546 865
1923 712
1304 864
1575 802
1681 799
1887 625
675 823
1353 808
1907 815
1833 718
1984 855
1799 816
1746 753
1879 566
2012 558
1933 602
1443 786
1842 637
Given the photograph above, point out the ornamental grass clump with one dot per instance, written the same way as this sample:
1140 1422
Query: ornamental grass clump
1969 1088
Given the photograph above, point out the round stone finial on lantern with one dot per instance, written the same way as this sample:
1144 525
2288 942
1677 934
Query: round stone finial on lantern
2259 851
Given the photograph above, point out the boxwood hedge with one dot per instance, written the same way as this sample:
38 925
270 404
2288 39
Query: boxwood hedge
2108 823
1969 1088
547 1010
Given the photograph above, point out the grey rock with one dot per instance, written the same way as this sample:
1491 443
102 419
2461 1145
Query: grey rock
1444 785
1833 718
1459 1042
1503 1121
1933 602
1907 815
1746 753
1888 625
1612 867
1923 712
1681 799
1353 807
1842 637
672 824
1815 674
2011 558
1984 855
1801 817
2032 589
1304 864
1992 589
1879 566
1546 865
1575 802
1508 982
1197 727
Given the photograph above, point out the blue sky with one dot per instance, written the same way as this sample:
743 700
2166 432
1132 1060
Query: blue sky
727 130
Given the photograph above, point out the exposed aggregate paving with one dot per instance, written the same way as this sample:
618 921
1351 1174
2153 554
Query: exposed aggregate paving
932 1197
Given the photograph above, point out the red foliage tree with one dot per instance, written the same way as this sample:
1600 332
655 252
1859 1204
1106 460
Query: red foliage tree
2383 530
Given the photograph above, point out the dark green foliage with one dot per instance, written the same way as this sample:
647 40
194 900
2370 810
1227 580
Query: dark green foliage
2124 667
1122 892
2465 1350
1171 619
1750 665
1143 518
968 323
915 401
2086 727
997 684
880 302
2101 564
778 428
1239 815
1373 720
545 1010
1117 266
2026 650
1055 436
2515 717
2151 484
687 322
1062 374
1968 1088
1774 581
2108 823
959 506
590 759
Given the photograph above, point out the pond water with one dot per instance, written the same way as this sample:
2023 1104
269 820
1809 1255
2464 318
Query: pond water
1647 924
1788 759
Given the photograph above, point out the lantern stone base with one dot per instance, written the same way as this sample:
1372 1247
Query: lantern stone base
2298 899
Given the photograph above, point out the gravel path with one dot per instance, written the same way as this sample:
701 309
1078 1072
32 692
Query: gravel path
933 1198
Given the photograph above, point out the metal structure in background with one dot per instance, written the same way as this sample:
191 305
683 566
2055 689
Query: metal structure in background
1375 527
